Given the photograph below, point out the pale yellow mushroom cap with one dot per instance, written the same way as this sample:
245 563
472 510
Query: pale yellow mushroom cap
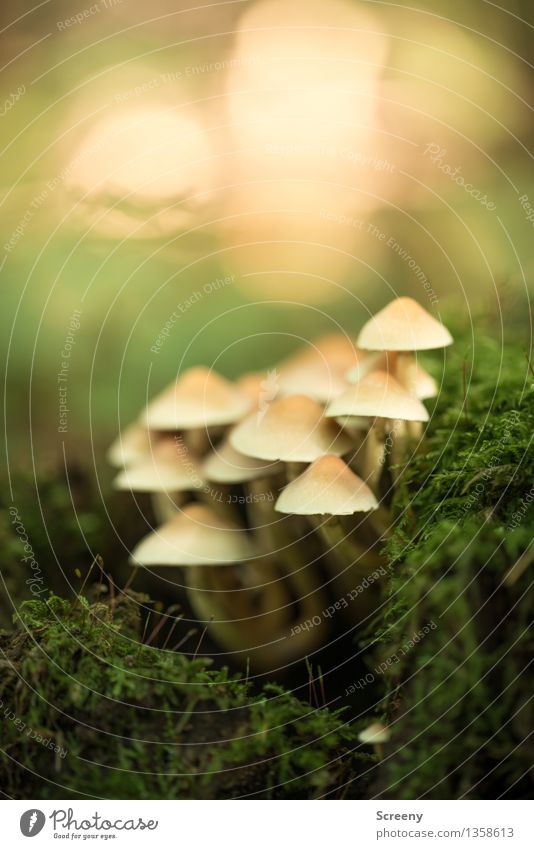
291 429
196 536
374 733
328 486
319 370
226 465
168 468
132 445
378 395
199 398
405 369
404 325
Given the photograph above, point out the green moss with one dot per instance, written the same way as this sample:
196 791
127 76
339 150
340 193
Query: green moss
139 722
458 698
47 530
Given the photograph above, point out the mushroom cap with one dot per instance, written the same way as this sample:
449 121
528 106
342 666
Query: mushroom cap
404 325
169 468
405 369
199 398
292 429
370 361
252 384
196 536
327 486
226 465
374 733
378 395
131 446
319 370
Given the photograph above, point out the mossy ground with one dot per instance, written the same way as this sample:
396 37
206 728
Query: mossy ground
139 722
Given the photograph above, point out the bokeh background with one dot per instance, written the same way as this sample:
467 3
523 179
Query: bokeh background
261 171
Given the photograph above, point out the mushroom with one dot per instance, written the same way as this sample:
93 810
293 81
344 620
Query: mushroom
403 325
198 400
319 370
166 469
195 536
292 429
227 466
278 425
329 487
229 596
131 446
377 396
169 469
408 372
376 735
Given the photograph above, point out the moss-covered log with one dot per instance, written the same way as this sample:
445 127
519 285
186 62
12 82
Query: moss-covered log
455 640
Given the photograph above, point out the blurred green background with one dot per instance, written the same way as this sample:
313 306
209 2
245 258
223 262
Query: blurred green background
358 96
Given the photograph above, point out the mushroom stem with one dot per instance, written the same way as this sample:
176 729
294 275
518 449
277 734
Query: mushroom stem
218 498
214 603
293 470
343 545
165 505
374 451
391 360
200 440
279 542
260 511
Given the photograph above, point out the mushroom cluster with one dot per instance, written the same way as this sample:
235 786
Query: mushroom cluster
271 491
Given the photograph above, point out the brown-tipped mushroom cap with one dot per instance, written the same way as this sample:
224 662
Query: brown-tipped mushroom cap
291 429
403 326
378 395
319 370
131 446
199 398
169 468
226 465
328 486
196 536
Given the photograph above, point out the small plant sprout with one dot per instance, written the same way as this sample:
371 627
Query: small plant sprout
282 469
